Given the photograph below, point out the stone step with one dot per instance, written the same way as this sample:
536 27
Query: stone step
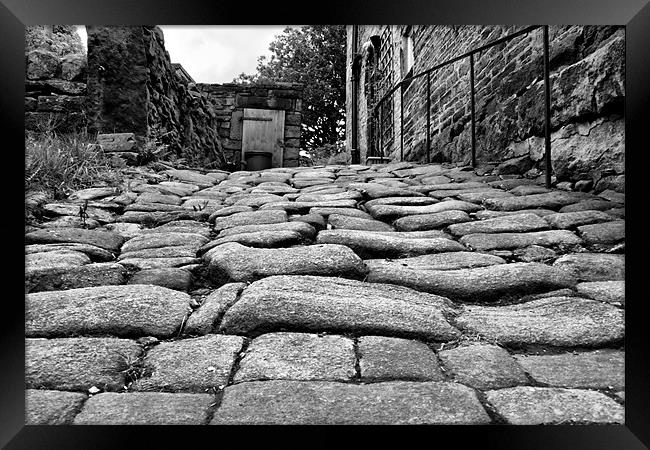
478 284
332 403
309 303
126 310
368 244
234 262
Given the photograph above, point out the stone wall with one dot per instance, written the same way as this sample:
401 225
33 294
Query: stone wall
133 88
587 80
55 79
229 101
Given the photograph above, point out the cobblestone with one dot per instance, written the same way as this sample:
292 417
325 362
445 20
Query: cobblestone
382 294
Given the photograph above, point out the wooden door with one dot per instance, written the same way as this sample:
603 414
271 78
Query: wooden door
264 132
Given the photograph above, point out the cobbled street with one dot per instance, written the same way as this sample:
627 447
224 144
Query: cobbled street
382 294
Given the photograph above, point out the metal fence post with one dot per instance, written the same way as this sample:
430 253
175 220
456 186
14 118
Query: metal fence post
472 102
428 117
547 108
401 121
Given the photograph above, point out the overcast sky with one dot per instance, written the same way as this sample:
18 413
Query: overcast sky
219 53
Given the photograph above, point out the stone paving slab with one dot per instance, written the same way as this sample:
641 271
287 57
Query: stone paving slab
92 193
593 266
386 358
305 230
368 244
129 310
376 190
513 223
49 407
79 363
526 405
352 212
292 207
550 200
590 204
191 177
103 239
159 218
72 209
88 275
603 291
439 261
36 263
235 262
388 211
432 221
404 201
168 277
355 223
331 403
249 218
149 263
490 214
478 284
508 241
482 366
146 408
152 197
176 251
574 219
604 369
153 208
309 303
555 321
298 356
192 364
481 196
167 239
603 233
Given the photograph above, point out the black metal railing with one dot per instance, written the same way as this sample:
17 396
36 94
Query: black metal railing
378 109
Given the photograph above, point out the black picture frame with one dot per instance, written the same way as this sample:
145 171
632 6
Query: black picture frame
634 14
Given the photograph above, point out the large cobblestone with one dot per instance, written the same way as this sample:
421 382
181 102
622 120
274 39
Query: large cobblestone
330 403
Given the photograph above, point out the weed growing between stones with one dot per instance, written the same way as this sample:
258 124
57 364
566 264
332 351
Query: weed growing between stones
59 164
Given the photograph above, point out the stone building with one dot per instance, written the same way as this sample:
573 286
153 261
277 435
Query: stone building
587 75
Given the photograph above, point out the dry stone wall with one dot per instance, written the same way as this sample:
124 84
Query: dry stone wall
588 92
55 85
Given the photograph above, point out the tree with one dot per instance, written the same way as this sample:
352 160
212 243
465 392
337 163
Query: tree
313 55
